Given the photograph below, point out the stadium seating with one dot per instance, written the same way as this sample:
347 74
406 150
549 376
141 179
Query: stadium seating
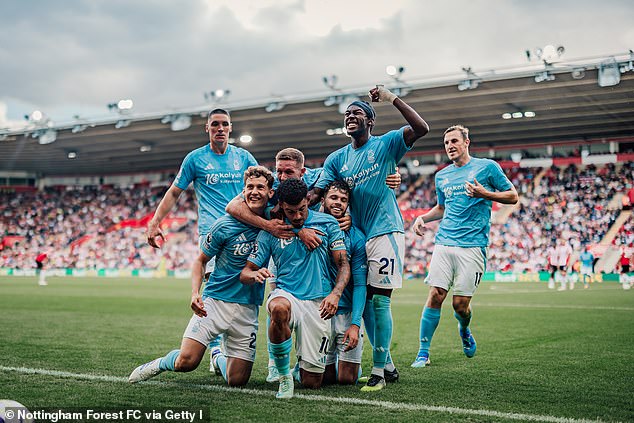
103 227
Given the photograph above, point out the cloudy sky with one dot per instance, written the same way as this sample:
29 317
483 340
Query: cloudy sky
73 57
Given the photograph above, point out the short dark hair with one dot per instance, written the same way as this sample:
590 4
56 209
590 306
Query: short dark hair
291 154
292 191
218 112
462 129
338 184
258 171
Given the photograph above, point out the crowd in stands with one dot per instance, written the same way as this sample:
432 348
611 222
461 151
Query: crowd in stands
77 228
81 228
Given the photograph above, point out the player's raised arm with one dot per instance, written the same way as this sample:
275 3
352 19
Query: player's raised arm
435 213
417 126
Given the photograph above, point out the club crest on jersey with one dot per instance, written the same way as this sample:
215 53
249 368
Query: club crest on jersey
236 164
471 175
371 158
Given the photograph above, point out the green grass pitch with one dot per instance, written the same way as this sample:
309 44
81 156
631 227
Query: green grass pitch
543 354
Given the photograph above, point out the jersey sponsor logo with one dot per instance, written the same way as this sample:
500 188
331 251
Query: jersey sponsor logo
338 243
452 190
363 176
225 178
243 248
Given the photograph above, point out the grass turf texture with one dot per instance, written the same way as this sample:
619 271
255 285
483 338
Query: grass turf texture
540 352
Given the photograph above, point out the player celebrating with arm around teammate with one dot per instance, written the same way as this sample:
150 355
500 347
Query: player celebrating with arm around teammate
304 298
364 164
226 307
465 190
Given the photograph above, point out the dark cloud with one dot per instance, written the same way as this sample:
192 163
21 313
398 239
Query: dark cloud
166 54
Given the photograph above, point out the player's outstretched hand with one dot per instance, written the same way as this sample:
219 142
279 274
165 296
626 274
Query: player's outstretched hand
419 225
345 222
310 238
475 189
279 229
393 181
198 306
380 93
352 336
328 306
153 232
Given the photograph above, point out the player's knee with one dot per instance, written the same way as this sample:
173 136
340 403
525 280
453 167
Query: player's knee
348 377
280 312
311 383
237 380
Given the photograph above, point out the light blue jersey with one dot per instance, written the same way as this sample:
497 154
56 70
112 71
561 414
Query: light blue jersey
217 178
231 242
303 273
467 220
373 205
353 297
587 259
310 179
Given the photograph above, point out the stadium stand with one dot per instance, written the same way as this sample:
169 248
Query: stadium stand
103 227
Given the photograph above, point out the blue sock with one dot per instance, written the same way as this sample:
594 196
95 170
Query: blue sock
428 323
368 321
215 342
221 362
268 341
382 332
168 362
464 321
282 356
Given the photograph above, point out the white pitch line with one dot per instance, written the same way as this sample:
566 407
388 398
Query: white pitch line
308 397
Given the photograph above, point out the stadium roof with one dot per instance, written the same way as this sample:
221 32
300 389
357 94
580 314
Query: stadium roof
566 109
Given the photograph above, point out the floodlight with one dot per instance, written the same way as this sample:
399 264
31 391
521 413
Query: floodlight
123 123
245 139
507 116
181 122
609 74
274 106
544 76
517 115
78 128
72 154
145 148
46 137
126 104
529 114
37 116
